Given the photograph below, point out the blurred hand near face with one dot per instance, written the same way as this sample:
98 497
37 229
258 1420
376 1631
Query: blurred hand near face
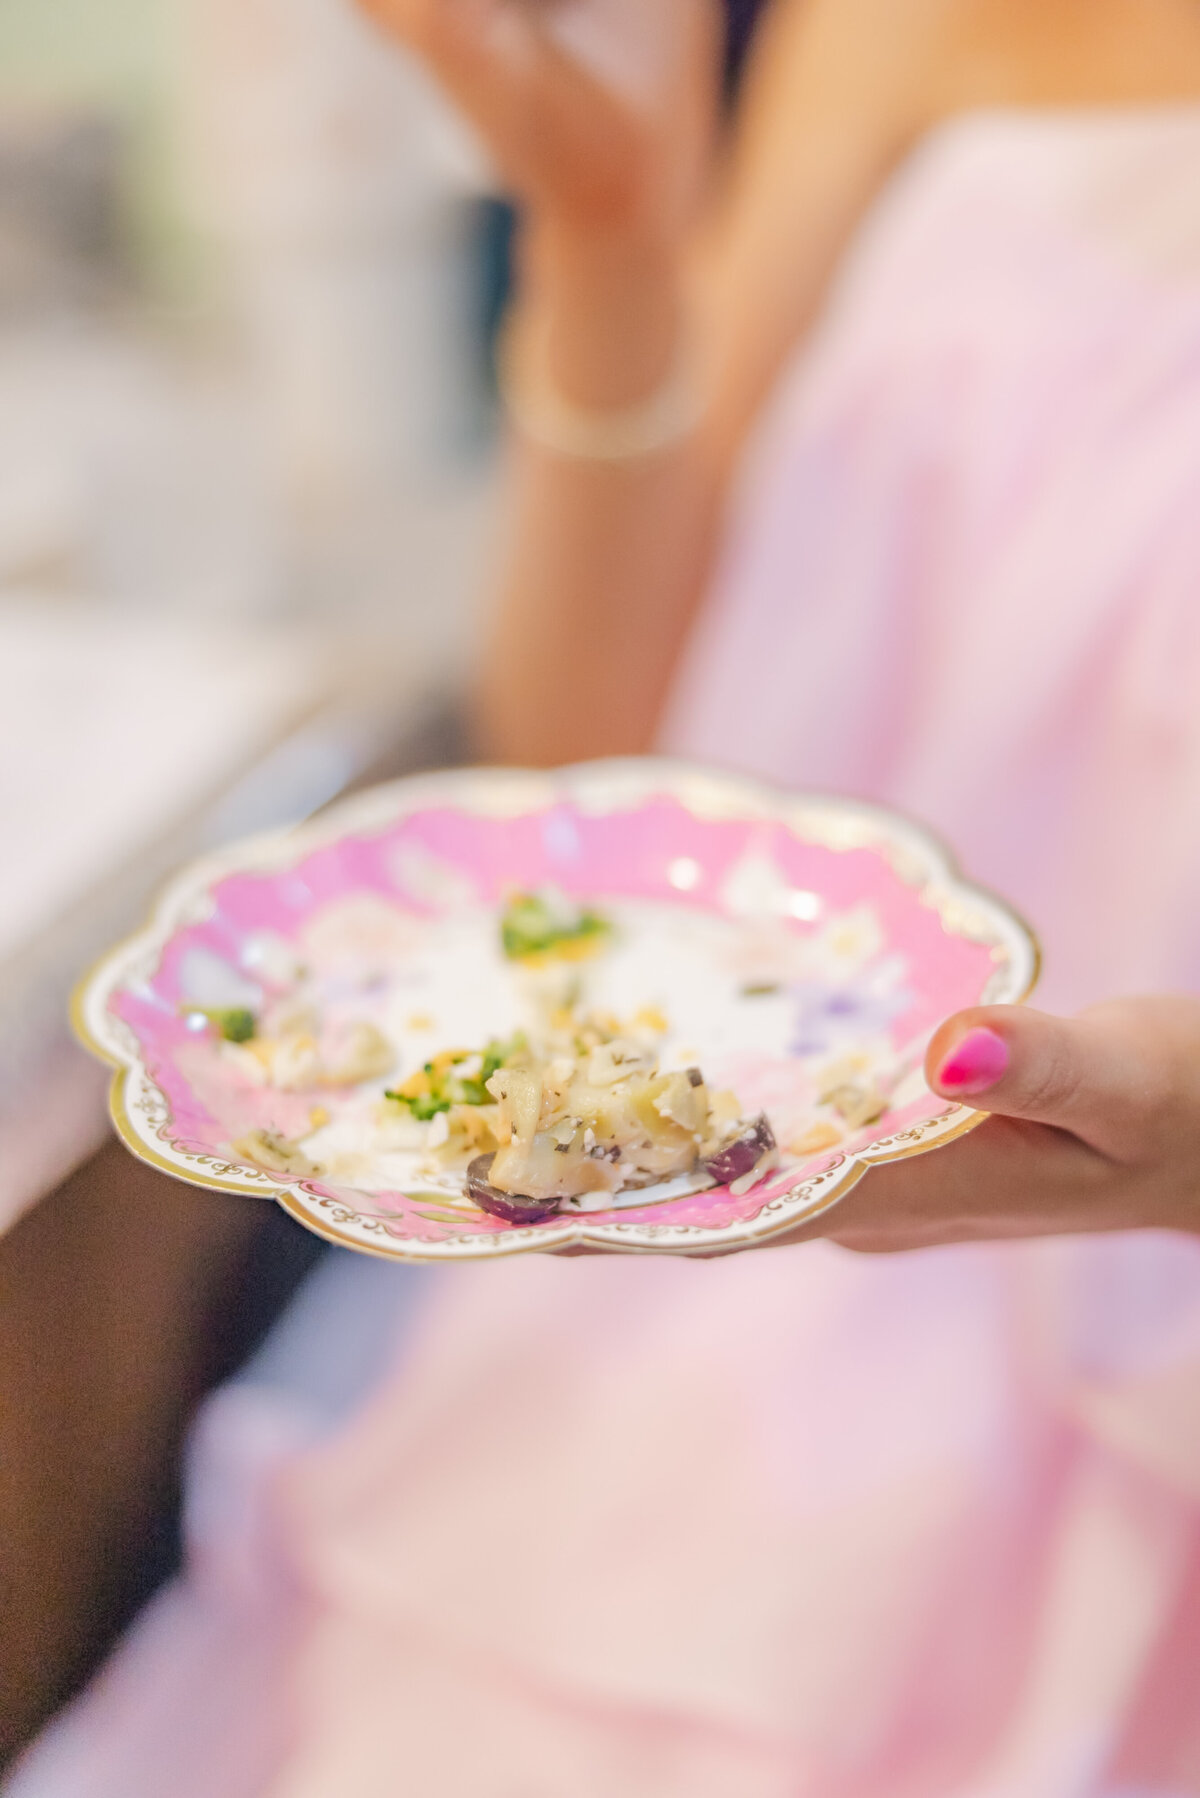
598 113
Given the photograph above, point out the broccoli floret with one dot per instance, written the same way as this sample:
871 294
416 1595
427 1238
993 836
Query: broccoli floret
531 925
427 1106
436 1088
234 1023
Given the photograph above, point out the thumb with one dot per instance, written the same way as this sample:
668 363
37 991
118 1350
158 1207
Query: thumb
1076 1074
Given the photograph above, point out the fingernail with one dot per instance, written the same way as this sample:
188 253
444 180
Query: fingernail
975 1063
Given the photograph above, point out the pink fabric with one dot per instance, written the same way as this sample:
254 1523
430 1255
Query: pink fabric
969 536
798 1525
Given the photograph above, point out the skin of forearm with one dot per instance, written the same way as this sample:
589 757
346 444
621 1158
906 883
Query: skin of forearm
604 562
600 587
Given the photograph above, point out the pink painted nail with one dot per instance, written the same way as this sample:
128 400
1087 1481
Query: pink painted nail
975 1064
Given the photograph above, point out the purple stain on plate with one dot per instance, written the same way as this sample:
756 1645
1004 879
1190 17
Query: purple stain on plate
293 891
560 837
831 1017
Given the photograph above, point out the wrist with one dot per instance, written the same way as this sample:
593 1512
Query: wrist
608 307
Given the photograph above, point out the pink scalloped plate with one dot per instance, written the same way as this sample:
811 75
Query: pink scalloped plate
791 944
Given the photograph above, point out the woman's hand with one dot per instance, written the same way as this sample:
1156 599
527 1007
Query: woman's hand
1094 1125
598 112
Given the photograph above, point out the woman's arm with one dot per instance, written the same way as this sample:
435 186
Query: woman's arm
603 562
633 254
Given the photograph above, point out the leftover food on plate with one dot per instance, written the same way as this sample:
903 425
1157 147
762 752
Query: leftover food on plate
565 1115
545 924
277 1153
293 1049
232 1022
536 1128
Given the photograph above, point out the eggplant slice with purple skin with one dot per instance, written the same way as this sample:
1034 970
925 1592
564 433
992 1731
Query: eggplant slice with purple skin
738 1157
513 1207
731 1163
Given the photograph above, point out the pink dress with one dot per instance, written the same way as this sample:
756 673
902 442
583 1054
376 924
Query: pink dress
800 1524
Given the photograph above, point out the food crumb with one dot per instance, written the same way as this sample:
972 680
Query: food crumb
821 1136
650 1017
859 1105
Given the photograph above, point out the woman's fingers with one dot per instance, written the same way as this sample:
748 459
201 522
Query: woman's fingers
458 37
1104 1076
1095 1126
1006 1179
561 136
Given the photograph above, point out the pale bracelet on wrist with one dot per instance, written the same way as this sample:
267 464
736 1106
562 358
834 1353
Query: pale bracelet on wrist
546 418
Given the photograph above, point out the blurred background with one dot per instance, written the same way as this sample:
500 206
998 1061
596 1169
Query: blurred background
243 254
249 267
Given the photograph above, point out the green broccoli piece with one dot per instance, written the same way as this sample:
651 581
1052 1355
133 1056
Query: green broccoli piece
234 1023
442 1089
530 926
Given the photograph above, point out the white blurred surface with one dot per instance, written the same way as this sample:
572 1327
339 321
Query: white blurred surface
113 728
332 180
208 481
